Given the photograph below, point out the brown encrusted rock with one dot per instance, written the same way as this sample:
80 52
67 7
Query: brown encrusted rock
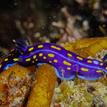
82 93
15 84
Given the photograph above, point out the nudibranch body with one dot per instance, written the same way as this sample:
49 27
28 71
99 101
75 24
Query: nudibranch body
67 64
9 60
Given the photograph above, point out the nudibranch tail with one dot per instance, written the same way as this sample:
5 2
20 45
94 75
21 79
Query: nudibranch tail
89 73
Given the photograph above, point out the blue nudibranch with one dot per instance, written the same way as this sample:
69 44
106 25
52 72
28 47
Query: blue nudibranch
67 64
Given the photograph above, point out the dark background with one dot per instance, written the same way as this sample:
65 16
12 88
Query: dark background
18 16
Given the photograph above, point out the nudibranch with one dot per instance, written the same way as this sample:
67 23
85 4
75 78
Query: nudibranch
67 64
9 60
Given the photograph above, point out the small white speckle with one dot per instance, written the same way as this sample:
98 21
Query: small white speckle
95 62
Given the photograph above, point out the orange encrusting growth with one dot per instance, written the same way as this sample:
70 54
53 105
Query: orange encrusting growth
42 91
87 47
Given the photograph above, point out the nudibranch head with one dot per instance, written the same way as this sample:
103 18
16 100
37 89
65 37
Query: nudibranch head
21 45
